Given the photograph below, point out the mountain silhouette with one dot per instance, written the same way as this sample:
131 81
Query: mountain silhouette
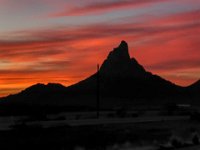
122 81
123 77
194 90
195 86
119 64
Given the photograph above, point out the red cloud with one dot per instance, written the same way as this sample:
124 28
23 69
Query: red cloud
67 55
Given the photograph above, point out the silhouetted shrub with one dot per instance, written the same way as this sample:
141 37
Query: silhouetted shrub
195 139
175 142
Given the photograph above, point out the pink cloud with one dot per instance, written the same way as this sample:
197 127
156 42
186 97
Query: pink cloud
102 7
164 46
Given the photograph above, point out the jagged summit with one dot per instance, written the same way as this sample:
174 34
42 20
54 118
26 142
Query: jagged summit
119 63
120 53
123 43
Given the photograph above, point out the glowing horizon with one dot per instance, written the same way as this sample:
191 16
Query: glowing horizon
44 41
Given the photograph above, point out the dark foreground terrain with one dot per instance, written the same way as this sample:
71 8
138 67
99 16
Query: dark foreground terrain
109 137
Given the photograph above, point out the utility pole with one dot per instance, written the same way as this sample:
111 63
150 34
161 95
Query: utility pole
98 92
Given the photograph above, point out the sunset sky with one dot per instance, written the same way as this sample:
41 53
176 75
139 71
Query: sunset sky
61 41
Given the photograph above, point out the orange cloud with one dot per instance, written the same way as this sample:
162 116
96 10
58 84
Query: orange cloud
167 46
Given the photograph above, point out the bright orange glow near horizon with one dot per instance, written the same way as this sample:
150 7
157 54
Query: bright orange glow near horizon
61 42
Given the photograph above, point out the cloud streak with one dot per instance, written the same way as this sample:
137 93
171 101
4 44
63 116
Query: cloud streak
164 44
104 6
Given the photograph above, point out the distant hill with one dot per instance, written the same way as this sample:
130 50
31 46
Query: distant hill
195 86
122 81
194 90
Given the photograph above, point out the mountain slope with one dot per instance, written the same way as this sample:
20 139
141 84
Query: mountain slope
122 76
121 80
194 89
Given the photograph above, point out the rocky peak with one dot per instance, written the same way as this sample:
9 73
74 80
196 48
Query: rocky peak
119 63
120 53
